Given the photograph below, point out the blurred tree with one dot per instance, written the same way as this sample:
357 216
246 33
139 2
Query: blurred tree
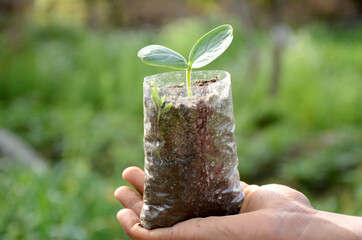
300 12
93 13
101 13
279 37
133 13
275 15
60 11
248 15
155 12
242 10
116 12
13 13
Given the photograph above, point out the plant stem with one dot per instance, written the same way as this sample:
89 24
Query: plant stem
158 115
188 82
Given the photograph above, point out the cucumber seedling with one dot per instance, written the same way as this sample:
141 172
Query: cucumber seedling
206 49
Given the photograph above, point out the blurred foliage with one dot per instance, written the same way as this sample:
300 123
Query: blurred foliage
67 202
99 14
76 96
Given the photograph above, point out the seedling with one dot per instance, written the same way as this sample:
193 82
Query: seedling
206 49
159 103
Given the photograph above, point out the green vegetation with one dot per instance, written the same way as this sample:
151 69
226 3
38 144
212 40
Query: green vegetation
206 49
76 97
159 102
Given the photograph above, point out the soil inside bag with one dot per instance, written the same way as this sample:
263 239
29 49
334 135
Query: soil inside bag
190 156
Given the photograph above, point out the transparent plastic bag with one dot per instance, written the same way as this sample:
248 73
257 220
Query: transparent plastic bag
190 151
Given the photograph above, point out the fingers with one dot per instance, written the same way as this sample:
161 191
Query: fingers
129 199
127 218
250 188
245 207
130 223
289 193
230 227
136 177
205 228
244 184
191 229
227 227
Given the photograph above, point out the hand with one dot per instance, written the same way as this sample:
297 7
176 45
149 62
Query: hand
268 212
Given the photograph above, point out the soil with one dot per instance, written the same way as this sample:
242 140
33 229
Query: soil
190 161
204 82
198 83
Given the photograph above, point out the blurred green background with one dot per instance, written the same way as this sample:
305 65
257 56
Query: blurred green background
71 88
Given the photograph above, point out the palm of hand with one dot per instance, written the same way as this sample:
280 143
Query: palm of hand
264 210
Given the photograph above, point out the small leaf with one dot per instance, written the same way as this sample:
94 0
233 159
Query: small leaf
166 108
161 56
210 46
162 100
154 94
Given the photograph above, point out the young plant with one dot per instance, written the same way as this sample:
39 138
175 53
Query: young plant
159 103
206 49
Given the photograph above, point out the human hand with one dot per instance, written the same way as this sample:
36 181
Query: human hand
264 210
268 212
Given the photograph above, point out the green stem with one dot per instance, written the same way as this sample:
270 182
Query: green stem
188 82
158 115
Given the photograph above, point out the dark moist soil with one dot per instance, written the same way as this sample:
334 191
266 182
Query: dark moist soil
198 83
188 172
204 82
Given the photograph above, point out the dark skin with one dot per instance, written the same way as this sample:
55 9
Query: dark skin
268 212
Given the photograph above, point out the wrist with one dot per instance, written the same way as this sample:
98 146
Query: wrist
326 225
341 226
300 224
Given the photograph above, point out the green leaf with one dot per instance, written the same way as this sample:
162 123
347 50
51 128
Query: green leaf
161 56
154 94
162 100
210 46
166 108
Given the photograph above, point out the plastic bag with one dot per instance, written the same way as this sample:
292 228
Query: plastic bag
190 150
